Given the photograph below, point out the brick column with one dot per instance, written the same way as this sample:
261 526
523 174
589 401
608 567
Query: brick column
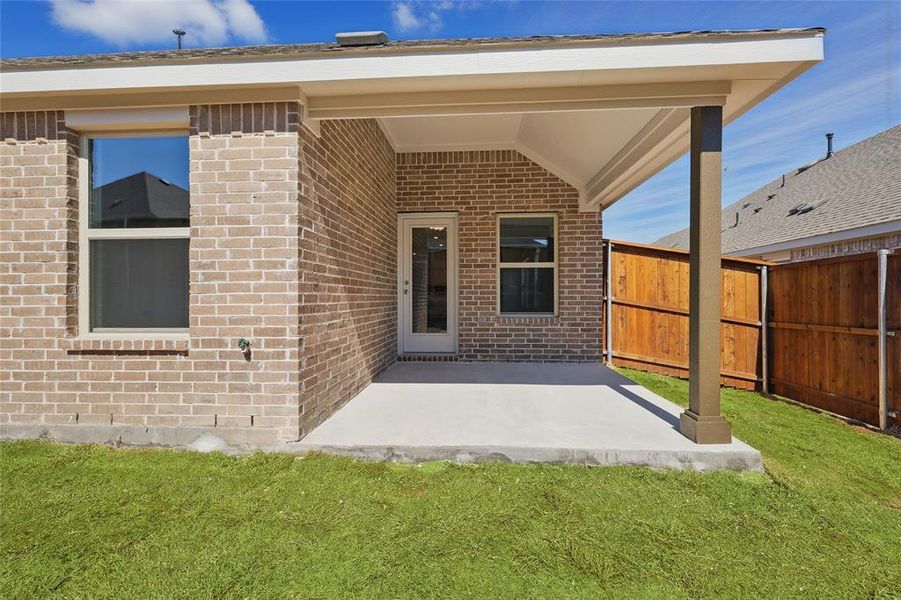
244 262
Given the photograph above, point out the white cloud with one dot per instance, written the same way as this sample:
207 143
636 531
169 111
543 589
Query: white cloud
129 23
405 18
243 20
413 15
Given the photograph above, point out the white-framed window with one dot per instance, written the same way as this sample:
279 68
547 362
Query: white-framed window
134 231
527 264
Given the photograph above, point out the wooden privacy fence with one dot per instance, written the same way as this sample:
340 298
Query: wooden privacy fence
827 338
808 331
648 313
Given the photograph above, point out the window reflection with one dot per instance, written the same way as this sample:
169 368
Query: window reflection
527 239
139 182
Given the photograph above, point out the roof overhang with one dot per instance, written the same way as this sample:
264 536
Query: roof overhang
603 115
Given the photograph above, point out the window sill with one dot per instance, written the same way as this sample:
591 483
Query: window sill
111 343
526 317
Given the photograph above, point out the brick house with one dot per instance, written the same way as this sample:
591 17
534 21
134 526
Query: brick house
338 207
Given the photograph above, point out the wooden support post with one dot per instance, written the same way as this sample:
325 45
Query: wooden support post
608 304
764 334
882 261
702 422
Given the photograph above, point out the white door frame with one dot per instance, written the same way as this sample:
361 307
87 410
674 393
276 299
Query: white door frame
405 221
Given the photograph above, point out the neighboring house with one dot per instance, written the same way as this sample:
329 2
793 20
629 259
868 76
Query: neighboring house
350 204
845 203
142 200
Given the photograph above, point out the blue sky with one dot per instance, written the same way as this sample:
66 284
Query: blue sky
855 92
114 158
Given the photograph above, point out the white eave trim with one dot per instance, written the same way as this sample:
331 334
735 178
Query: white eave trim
476 61
306 121
825 238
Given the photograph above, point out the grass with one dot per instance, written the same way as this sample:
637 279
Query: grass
824 521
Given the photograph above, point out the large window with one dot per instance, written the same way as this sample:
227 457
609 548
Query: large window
134 222
527 264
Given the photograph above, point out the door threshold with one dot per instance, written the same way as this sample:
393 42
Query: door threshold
428 357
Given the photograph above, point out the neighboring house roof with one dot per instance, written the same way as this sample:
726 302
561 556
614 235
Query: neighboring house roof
142 197
857 187
275 51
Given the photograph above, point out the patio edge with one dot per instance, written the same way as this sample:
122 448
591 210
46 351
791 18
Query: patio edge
244 441
705 458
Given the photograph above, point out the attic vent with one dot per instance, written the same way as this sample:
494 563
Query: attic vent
757 209
770 197
745 205
802 208
362 38
803 168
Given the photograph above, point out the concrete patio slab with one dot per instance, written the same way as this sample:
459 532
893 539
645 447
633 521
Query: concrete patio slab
568 413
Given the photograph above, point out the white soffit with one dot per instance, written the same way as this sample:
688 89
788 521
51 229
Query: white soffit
570 145
458 132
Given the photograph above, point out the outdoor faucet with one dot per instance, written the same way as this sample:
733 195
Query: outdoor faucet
244 347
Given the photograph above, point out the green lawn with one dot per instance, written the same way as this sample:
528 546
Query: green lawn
824 521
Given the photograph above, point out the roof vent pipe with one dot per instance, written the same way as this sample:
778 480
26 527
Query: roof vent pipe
362 38
829 145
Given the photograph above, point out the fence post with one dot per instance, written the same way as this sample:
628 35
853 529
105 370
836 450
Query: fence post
882 261
608 305
764 367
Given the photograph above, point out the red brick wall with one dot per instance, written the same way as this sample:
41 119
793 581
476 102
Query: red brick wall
348 264
479 185
244 283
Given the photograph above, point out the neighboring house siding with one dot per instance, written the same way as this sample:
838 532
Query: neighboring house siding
348 264
244 220
479 185
846 248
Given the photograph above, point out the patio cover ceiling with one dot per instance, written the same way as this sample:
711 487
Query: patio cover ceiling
604 113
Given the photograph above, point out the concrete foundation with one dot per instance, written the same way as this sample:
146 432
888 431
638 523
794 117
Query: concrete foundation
565 413
203 439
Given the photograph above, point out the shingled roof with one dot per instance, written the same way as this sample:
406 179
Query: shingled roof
856 187
287 51
143 200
